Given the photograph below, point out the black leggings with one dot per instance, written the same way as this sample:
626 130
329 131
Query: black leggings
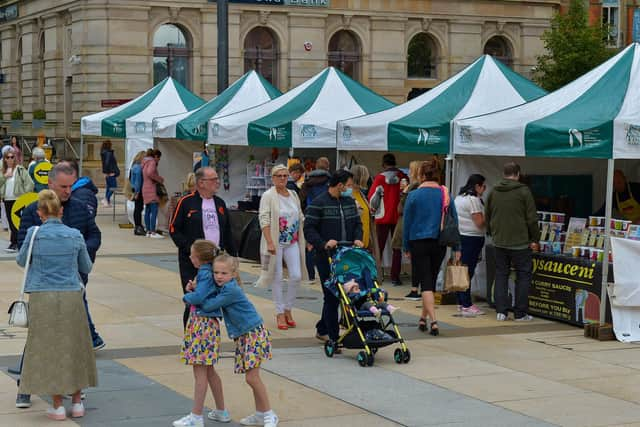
426 258
8 204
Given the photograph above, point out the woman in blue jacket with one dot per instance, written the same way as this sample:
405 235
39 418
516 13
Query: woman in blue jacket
135 179
423 213
58 356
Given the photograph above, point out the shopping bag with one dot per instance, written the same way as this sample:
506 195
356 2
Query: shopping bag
456 277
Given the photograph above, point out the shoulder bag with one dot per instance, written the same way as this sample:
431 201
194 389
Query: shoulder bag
449 234
19 309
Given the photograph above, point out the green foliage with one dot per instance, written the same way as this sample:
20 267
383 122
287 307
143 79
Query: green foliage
17 115
39 114
573 48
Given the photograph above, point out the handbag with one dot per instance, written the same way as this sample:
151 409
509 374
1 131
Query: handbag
457 277
19 309
449 233
161 190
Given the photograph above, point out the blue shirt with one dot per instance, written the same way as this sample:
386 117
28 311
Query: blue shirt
58 254
423 215
240 316
204 287
136 177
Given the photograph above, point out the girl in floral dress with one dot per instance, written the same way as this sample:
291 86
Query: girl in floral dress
201 346
245 327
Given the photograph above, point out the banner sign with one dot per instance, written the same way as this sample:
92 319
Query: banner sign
8 13
566 289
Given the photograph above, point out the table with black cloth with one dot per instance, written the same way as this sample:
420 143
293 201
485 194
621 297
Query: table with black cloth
563 287
245 232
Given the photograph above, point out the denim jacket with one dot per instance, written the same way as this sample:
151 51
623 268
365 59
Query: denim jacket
240 316
58 254
204 287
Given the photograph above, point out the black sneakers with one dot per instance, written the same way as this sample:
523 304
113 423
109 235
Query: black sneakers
413 296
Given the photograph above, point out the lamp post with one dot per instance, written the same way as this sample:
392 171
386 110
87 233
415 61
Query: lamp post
223 44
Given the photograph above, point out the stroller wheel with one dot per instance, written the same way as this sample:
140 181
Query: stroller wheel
364 359
398 356
370 360
329 348
407 356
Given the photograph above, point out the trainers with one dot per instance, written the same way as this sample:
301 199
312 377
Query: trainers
413 296
189 421
77 410
252 420
525 318
222 416
139 231
271 420
471 311
58 414
323 338
23 401
155 235
396 283
501 317
98 343
12 248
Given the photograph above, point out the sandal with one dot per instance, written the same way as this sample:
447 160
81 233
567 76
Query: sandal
281 322
434 331
422 324
289 319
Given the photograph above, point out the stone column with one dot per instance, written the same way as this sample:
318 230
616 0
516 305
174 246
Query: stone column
388 60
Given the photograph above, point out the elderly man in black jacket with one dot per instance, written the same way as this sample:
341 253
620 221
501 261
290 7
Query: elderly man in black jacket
330 219
200 215
76 215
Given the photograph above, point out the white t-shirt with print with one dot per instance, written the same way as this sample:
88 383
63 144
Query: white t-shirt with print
466 206
210 223
289 221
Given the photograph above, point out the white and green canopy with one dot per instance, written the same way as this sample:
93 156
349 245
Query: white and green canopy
424 123
595 116
248 91
305 116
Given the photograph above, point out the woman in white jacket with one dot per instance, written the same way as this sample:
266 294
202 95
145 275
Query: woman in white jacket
281 221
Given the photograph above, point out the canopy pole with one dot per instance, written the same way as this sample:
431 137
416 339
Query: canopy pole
337 158
81 160
607 241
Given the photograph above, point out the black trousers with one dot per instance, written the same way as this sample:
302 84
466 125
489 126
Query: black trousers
328 323
187 272
8 204
137 210
521 260
426 259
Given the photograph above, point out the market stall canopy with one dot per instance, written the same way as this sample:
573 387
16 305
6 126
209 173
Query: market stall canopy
424 123
248 91
305 116
596 116
133 119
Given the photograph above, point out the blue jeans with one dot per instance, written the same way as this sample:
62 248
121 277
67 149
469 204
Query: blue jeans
471 248
111 184
151 216
328 323
92 327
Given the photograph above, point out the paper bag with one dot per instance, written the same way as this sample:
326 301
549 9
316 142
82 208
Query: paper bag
456 277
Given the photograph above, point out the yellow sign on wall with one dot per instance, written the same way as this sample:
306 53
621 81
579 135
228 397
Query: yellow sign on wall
41 172
18 207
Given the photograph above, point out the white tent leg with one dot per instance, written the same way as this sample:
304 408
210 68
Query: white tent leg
607 243
81 154
337 158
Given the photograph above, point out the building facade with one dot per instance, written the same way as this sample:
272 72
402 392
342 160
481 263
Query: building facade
69 58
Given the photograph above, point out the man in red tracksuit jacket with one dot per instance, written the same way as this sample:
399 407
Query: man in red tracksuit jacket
386 215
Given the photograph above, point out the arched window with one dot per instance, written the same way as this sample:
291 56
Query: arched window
344 53
171 54
261 54
421 57
499 48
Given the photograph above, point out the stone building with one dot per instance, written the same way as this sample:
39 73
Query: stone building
74 57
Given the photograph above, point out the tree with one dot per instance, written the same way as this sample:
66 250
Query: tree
573 47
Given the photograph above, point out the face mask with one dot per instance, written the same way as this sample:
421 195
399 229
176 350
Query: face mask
348 192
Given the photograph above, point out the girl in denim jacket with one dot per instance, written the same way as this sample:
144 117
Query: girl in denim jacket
201 346
245 327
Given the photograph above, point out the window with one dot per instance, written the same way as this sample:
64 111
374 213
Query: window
344 53
261 54
499 48
421 57
171 55
610 20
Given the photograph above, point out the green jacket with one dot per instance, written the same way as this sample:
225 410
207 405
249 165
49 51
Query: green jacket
510 215
23 183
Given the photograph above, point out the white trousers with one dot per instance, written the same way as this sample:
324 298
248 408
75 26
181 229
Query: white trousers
291 255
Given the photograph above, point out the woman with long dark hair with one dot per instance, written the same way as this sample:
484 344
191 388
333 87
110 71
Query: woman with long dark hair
423 213
472 229
110 171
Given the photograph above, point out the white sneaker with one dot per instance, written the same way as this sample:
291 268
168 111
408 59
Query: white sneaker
189 421
220 416
271 420
252 420
59 414
154 235
525 318
500 317
105 203
77 410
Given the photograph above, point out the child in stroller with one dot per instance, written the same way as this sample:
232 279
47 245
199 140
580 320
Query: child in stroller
372 300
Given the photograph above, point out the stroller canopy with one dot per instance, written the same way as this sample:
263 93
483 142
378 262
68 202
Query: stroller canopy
350 263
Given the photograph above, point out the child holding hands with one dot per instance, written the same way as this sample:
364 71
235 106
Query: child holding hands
245 327
201 346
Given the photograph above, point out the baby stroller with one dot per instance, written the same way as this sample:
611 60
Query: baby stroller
363 329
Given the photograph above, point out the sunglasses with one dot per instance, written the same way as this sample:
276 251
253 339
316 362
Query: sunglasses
10 157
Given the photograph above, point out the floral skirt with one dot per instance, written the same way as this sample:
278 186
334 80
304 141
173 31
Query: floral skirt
251 349
201 344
